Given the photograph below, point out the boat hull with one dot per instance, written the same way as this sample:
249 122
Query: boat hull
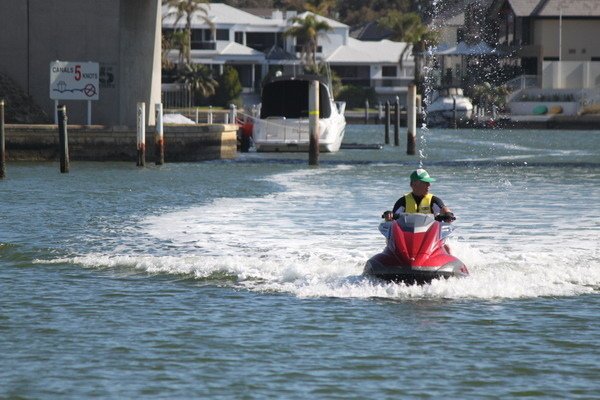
292 136
447 106
293 147
283 125
386 267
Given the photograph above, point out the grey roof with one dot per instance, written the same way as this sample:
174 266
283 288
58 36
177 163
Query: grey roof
360 52
370 31
277 53
223 14
553 8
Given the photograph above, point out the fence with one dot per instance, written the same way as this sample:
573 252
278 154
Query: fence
174 95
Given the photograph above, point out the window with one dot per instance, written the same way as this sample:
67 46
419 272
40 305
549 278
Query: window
262 41
223 34
389 71
239 37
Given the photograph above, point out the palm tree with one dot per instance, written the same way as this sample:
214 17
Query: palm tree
175 40
198 78
306 31
409 28
186 9
321 7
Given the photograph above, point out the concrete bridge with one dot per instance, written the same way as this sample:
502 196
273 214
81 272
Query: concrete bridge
123 36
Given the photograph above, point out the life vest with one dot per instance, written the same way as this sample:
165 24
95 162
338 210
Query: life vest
423 208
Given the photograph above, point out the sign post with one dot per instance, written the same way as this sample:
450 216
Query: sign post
72 80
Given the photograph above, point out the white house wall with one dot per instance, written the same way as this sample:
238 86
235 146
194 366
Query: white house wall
579 38
333 40
571 74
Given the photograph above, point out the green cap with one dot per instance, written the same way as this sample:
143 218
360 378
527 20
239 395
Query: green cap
421 175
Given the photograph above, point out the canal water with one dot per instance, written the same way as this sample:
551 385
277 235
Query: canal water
241 279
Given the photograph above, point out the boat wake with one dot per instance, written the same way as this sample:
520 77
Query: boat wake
313 238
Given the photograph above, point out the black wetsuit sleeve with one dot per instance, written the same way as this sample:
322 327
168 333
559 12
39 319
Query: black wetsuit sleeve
401 202
438 202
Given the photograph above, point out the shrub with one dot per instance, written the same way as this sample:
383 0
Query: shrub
229 89
355 96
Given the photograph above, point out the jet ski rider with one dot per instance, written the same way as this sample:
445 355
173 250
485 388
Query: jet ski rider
418 201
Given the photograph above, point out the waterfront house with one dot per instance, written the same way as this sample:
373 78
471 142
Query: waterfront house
256 45
554 42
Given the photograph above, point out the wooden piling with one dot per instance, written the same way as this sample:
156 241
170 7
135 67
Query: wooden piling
454 113
141 134
2 140
313 123
397 122
366 111
387 122
159 143
411 120
63 138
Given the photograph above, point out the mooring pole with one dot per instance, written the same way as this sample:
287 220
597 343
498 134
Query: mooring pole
313 123
159 143
454 116
209 117
387 122
411 120
2 140
366 111
397 122
232 113
141 134
63 138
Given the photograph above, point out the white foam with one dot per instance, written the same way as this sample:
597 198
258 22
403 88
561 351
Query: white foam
312 239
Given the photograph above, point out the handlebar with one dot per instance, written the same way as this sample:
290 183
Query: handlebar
448 217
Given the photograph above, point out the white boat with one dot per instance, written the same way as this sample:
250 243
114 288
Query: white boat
283 122
447 105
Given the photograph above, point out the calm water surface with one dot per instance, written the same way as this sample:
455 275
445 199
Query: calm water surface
242 279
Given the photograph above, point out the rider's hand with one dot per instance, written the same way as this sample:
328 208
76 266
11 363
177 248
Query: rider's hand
388 215
447 217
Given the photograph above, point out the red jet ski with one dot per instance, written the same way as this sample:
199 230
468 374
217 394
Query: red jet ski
415 252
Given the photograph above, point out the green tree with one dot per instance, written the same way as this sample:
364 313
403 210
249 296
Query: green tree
175 40
357 12
198 78
322 69
355 96
186 9
485 95
320 7
229 89
409 28
306 31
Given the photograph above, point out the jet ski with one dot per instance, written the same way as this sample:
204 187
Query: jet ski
415 251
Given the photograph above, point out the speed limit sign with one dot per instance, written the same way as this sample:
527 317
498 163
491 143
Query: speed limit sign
71 80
